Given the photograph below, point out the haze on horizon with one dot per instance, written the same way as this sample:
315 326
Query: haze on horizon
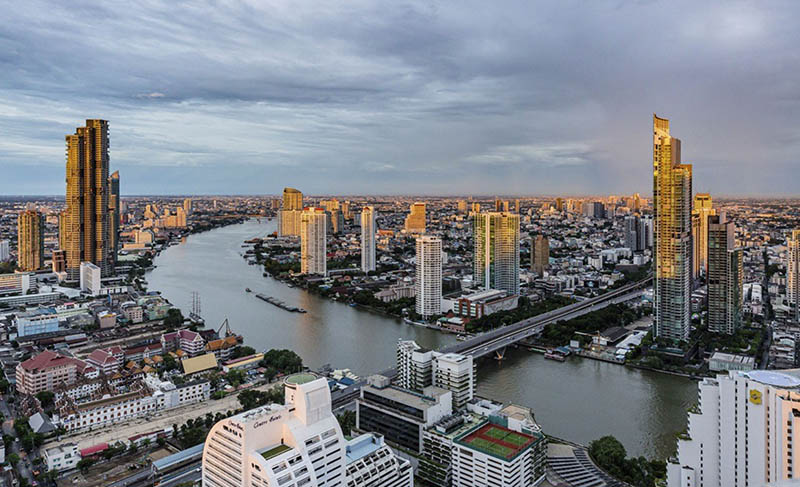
403 98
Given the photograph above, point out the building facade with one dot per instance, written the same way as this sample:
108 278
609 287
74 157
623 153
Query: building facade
115 215
313 242
87 228
368 239
672 206
429 276
30 240
290 214
540 254
703 208
415 221
496 251
724 277
741 432
793 273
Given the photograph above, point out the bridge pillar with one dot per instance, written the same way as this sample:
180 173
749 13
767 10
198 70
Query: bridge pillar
499 355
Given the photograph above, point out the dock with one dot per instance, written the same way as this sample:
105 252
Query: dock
277 302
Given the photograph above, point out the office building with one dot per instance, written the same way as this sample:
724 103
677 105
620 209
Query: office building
5 253
415 220
59 261
672 206
483 303
87 229
741 432
398 414
703 208
90 278
594 209
793 272
419 368
496 251
17 283
540 254
30 240
115 215
290 215
35 322
429 276
724 277
368 239
297 444
313 242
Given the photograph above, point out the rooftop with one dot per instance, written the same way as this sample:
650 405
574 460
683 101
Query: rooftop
275 451
298 379
776 379
409 398
497 441
364 445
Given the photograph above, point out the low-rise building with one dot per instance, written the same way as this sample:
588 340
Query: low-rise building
62 457
728 361
47 370
43 320
187 340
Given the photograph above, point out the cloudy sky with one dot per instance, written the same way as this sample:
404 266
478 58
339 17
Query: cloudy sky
368 97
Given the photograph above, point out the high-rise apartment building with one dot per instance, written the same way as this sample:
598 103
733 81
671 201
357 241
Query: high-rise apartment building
559 204
30 240
672 207
5 252
88 226
793 272
313 242
368 239
475 208
429 276
496 251
344 206
187 206
298 444
415 221
742 432
419 368
462 206
703 208
290 215
114 215
724 277
540 254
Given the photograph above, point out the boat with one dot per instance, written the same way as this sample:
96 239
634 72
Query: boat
461 338
247 289
554 355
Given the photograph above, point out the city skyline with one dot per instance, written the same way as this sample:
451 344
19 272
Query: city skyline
439 97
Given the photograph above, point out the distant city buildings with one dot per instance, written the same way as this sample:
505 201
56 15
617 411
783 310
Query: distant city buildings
5 253
724 277
90 278
496 251
313 240
88 226
30 240
672 206
368 239
429 276
415 221
793 273
114 215
741 432
638 233
290 215
540 254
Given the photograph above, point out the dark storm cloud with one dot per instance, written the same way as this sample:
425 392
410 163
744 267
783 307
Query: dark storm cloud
402 97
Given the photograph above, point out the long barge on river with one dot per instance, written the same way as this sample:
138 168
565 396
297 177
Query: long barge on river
280 304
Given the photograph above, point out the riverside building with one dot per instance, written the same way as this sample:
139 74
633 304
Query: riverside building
672 206
368 239
290 215
741 433
429 276
313 239
496 252
297 444
724 277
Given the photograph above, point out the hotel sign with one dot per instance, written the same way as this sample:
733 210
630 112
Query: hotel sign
755 396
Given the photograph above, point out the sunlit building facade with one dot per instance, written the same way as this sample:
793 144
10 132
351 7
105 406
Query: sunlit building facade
368 239
313 237
496 252
30 240
672 208
114 215
540 254
703 208
415 221
88 225
290 215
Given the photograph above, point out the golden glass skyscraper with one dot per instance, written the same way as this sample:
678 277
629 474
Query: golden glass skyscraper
114 214
30 240
290 215
672 208
415 221
703 208
88 224
496 253
793 272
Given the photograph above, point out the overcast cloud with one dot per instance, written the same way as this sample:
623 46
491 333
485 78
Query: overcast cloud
360 97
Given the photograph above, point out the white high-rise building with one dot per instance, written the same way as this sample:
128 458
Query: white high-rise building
313 242
4 251
741 433
368 239
419 368
429 275
793 272
90 278
298 444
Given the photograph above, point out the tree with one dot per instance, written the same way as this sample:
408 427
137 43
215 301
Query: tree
174 318
243 351
347 421
284 361
84 464
45 398
170 363
13 459
235 377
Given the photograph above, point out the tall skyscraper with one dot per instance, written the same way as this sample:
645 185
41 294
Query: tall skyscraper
415 221
345 207
793 272
88 227
114 215
475 208
743 432
724 277
540 254
187 206
496 251
633 229
30 240
498 204
313 242
290 215
672 208
462 206
368 239
5 252
703 208
429 276
559 204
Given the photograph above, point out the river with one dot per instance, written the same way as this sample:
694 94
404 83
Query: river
579 400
